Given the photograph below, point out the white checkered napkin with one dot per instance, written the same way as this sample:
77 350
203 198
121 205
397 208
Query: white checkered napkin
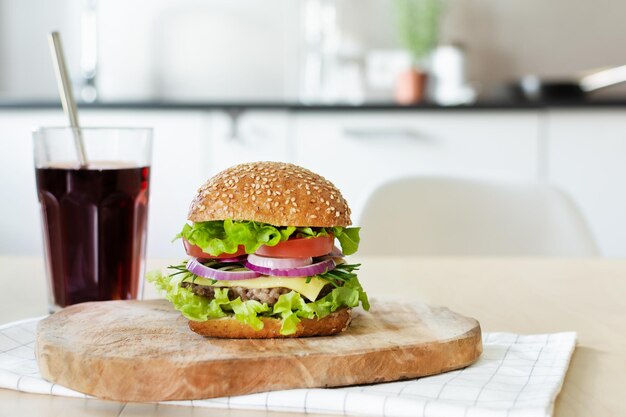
517 376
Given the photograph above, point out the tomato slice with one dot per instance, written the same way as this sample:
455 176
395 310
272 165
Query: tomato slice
196 252
299 248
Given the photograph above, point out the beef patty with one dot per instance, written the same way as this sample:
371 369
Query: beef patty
262 295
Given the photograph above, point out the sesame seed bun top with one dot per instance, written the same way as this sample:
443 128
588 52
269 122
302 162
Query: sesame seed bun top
276 193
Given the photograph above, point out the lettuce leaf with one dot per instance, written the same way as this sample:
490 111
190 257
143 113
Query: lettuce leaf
349 294
290 307
348 238
190 305
217 237
247 312
199 308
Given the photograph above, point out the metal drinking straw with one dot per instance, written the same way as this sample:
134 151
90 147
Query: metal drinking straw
67 97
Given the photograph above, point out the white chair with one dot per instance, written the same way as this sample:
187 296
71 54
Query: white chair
437 216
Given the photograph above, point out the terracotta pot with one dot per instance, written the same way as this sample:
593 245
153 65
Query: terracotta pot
410 87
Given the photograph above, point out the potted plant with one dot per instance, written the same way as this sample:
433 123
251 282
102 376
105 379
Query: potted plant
418 23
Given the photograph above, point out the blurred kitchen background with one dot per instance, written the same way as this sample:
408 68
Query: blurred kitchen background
348 88
264 50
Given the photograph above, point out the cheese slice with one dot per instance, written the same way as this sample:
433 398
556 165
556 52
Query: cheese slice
298 284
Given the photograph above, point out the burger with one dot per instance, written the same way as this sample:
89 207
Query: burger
262 256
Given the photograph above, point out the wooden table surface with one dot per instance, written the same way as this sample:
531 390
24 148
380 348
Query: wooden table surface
526 295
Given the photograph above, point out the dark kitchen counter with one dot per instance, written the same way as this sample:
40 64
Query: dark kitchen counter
300 107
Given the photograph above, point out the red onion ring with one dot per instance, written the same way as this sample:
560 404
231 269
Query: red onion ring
304 271
278 263
196 268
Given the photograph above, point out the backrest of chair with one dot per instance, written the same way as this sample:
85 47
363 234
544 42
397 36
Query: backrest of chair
435 216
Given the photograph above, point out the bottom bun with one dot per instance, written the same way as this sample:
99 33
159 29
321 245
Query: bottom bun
231 328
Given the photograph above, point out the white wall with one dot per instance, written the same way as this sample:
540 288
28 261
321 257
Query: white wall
195 49
25 64
248 49
509 39
555 38
157 49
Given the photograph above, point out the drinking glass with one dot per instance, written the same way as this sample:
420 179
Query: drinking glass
94 217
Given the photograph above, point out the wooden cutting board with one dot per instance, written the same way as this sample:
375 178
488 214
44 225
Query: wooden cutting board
144 351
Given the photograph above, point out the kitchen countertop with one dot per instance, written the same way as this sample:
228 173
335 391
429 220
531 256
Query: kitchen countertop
301 107
522 295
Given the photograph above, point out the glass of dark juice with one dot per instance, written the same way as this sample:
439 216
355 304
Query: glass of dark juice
94 215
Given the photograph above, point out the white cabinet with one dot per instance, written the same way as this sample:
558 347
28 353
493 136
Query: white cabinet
587 157
359 151
583 151
20 230
249 136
